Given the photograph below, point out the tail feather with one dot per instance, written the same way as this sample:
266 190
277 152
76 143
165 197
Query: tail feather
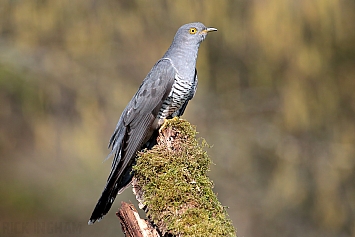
114 181
104 204
113 187
117 182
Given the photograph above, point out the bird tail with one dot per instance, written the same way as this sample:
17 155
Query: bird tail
113 187
119 179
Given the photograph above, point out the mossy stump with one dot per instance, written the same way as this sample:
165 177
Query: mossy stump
172 186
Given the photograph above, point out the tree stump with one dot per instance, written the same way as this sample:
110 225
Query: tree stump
171 185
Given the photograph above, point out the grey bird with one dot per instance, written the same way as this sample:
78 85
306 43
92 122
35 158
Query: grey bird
164 94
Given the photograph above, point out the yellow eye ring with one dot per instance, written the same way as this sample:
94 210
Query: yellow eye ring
192 30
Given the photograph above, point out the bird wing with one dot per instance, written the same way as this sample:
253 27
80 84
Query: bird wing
142 110
132 130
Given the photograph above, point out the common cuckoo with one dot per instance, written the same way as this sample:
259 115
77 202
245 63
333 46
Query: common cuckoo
164 94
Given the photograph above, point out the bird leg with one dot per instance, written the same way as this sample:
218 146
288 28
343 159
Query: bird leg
164 125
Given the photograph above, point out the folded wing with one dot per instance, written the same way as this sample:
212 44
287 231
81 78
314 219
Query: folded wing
133 129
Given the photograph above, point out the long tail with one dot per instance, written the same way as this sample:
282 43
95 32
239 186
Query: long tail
120 177
113 187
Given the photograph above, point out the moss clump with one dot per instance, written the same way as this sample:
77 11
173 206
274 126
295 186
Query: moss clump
177 192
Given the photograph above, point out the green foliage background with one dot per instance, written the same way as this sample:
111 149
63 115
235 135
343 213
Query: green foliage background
275 98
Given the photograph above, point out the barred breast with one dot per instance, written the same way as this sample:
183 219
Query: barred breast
180 92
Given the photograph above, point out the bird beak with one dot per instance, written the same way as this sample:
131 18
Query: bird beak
208 29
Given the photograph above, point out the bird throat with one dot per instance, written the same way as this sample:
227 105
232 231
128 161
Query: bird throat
184 60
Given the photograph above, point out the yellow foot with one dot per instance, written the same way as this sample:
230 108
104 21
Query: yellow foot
165 124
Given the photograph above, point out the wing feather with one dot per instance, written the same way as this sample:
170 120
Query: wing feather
132 130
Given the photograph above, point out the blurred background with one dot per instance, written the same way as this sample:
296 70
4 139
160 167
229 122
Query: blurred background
275 99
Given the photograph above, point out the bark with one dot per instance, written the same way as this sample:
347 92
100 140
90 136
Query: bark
132 224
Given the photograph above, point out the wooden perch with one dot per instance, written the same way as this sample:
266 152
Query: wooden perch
132 224
171 185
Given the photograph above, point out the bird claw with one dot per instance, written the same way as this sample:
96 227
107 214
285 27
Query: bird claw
162 127
165 124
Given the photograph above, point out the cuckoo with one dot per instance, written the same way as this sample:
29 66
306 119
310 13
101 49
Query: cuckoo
163 94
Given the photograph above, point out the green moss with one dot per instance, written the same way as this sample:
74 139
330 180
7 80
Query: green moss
177 191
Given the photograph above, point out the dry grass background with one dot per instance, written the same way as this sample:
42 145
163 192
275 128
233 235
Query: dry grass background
276 98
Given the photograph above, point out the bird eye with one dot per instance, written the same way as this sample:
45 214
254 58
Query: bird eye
192 30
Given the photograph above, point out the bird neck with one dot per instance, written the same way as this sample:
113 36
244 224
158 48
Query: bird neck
184 59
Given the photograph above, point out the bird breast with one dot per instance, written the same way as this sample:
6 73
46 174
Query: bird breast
180 92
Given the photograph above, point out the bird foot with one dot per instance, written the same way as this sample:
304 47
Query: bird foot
165 124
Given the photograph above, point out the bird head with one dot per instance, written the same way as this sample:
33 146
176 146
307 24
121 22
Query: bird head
192 33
